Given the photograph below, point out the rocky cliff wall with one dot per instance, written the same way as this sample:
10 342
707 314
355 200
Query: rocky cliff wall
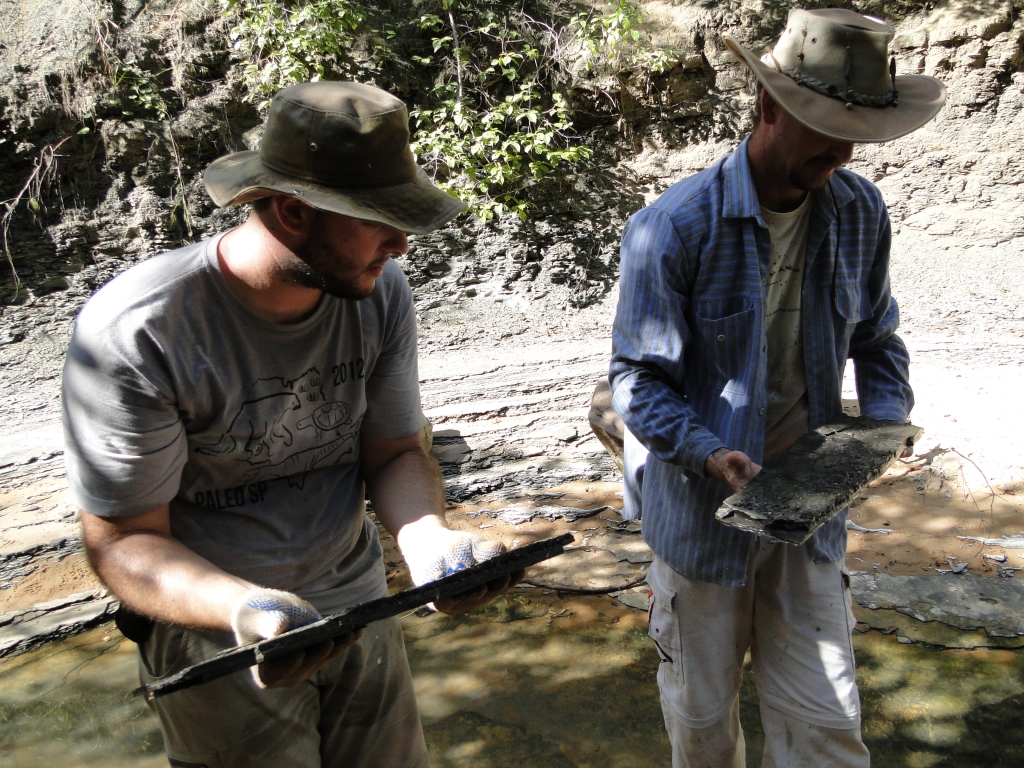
100 190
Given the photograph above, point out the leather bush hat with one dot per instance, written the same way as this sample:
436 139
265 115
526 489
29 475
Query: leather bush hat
831 71
340 147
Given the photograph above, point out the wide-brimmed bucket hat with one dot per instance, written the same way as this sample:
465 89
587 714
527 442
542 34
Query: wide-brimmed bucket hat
831 70
340 147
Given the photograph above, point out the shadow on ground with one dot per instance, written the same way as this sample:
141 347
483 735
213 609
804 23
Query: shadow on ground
535 681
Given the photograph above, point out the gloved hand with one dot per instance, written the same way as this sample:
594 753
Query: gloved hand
438 552
260 614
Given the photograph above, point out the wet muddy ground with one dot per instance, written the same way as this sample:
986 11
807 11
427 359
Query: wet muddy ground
548 678
536 680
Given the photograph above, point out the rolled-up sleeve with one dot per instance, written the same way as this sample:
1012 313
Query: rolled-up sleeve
649 341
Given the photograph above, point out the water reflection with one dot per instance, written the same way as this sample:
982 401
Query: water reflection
69 704
534 681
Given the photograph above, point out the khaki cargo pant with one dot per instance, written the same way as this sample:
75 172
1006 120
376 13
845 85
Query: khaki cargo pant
359 711
796 618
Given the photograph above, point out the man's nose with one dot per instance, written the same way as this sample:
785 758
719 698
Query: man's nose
395 241
843 150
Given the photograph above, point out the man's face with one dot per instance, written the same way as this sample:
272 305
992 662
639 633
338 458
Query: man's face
806 160
343 256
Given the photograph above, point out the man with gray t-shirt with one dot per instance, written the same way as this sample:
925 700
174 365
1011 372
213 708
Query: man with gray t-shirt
227 408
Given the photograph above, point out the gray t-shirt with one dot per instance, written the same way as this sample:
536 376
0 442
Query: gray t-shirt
174 392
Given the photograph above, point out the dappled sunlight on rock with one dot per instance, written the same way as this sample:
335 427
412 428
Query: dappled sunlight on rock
937 734
436 692
915 698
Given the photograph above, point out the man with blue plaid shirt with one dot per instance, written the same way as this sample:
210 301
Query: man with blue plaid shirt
744 290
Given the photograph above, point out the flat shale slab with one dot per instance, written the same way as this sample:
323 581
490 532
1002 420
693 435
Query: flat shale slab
966 602
242 657
816 478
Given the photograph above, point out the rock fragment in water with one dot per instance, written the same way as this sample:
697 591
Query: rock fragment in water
1007 542
551 512
634 598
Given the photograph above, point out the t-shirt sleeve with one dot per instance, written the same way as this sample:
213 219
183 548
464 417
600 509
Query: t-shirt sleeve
125 443
392 390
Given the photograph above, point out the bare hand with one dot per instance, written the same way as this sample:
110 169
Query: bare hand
470 601
299 666
733 468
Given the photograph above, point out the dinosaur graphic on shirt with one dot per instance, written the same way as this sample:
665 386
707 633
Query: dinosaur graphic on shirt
286 427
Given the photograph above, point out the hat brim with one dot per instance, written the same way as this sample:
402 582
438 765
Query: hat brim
920 99
416 207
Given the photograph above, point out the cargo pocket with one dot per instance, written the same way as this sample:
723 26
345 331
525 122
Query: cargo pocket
179 759
663 628
163 650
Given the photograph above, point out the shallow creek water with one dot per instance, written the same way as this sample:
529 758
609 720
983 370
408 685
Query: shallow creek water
534 681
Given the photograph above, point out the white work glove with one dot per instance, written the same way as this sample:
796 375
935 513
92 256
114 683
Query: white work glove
260 614
437 552
441 552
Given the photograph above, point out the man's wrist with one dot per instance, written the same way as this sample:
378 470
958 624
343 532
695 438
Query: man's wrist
715 455
711 462
414 530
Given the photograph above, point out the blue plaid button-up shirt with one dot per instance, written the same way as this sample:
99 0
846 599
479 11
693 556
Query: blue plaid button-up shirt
689 353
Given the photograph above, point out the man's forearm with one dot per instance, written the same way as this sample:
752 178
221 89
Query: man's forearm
155 575
407 493
661 419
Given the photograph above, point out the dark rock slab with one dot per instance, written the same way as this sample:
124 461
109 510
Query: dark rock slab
966 602
245 656
816 478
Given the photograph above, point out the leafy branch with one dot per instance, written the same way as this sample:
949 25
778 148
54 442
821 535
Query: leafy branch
494 118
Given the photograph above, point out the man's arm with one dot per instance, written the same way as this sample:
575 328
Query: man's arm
404 484
649 342
155 575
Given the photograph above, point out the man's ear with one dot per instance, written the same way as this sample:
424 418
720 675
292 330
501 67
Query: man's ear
769 108
293 215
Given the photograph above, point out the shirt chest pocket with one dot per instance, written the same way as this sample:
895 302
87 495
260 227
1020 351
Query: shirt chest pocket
728 341
852 301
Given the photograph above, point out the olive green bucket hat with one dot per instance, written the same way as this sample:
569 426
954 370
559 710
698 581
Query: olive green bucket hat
340 147
831 71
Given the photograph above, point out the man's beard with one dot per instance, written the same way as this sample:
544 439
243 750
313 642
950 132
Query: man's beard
318 266
334 285
814 175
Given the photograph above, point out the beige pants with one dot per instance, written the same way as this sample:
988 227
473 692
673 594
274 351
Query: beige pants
359 711
796 618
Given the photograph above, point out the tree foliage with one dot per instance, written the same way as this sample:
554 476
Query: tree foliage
495 114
